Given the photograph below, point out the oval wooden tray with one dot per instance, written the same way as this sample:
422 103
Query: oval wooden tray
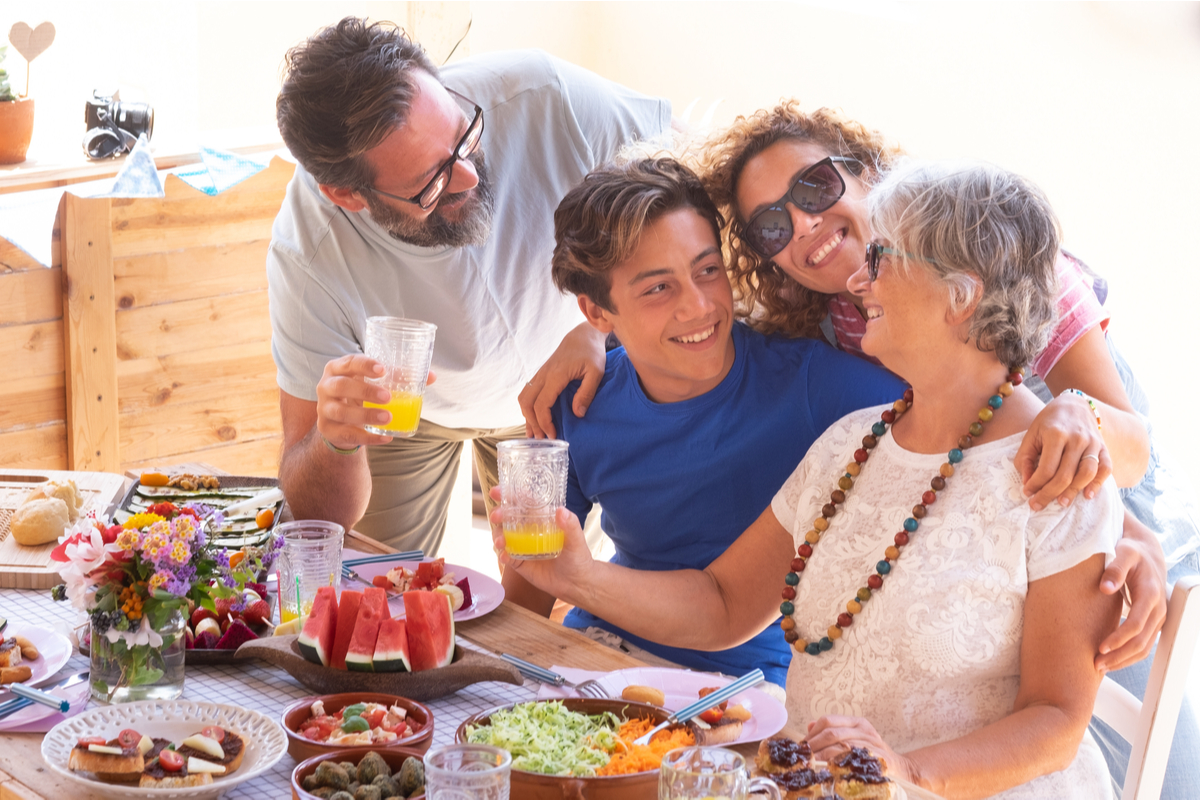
468 667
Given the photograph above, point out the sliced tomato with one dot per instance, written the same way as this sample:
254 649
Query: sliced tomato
170 760
311 733
382 582
375 716
128 738
713 715
86 740
215 733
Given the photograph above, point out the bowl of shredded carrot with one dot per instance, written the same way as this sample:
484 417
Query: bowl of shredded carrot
579 747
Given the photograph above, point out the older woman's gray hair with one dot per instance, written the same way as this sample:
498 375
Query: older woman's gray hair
985 233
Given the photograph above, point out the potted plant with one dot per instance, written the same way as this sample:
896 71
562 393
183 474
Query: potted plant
16 119
16 112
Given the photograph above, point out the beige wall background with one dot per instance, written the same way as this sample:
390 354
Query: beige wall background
1097 102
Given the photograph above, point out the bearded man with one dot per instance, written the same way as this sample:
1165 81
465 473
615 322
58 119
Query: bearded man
427 194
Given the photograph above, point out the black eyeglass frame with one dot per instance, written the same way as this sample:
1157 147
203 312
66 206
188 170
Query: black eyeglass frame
447 169
781 204
876 251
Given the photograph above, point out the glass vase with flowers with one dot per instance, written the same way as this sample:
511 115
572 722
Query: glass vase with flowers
137 581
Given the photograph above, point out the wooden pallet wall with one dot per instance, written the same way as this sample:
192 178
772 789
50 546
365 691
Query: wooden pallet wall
165 356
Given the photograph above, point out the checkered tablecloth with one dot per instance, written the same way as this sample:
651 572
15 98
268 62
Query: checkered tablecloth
263 688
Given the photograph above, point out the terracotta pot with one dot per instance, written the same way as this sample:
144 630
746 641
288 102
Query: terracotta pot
297 713
16 129
395 758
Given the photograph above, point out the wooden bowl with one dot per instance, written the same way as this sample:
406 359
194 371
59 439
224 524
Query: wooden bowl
394 757
297 713
534 786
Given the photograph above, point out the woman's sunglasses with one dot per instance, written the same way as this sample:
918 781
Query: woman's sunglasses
814 190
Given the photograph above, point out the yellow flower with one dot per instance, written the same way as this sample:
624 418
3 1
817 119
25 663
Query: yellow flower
128 539
180 553
141 521
158 579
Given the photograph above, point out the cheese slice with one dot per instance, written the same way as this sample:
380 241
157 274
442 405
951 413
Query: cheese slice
197 765
145 745
105 749
205 745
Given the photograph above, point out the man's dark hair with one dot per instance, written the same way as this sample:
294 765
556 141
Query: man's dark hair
598 225
344 91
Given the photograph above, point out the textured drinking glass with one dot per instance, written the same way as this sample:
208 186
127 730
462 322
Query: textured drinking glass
311 558
405 348
708 773
467 772
533 485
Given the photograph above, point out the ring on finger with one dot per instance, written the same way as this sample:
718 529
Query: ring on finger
1090 455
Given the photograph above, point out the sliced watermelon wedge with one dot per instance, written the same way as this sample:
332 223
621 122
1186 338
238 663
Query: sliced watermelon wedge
372 611
391 648
347 613
316 638
430 629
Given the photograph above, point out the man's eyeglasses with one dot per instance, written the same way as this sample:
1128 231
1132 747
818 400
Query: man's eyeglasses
468 144
814 190
876 251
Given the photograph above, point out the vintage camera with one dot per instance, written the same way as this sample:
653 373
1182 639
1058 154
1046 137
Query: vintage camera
114 126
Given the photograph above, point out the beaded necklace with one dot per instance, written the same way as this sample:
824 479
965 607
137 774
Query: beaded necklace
845 483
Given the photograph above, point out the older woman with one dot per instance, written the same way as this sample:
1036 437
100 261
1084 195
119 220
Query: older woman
935 616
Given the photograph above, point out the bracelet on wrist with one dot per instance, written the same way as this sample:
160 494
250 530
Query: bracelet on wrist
339 450
1091 405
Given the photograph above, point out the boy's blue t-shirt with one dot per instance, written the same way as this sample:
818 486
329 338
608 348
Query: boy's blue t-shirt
679 482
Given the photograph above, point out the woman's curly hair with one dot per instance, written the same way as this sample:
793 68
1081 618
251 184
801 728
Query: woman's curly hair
769 299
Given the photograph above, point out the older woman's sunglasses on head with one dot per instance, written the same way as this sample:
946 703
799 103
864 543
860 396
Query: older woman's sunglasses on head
814 190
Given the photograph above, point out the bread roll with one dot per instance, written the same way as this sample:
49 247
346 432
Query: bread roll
643 694
40 521
63 490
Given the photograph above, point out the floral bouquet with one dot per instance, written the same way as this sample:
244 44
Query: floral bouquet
137 582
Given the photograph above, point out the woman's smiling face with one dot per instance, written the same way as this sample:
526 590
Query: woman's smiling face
826 248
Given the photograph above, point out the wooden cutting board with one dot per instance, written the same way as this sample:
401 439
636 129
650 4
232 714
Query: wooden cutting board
27 567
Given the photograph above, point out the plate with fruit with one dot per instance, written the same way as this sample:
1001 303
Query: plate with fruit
472 594
214 636
356 643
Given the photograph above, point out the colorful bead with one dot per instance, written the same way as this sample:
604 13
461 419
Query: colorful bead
883 567
821 524
1016 378
870 441
947 470
790 636
812 537
1006 389
879 429
800 645
797 564
995 401
892 552
954 456
929 498
845 620
791 579
825 644
964 441
938 483
787 608
787 623
901 538
838 496
834 632
900 406
874 582
846 482
828 510
888 416
918 512
853 606
985 415
804 550
860 455
863 594
788 593
976 429
910 524
853 468
813 649
908 395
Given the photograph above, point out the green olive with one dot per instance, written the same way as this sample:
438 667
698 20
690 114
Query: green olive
355 724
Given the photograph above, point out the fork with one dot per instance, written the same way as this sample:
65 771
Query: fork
589 688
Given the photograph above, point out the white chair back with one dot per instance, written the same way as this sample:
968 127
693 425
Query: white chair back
1149 725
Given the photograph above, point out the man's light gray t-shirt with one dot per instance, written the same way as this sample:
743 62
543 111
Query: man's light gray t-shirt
547 124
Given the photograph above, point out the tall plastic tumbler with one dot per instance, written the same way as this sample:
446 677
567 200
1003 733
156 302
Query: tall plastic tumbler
533 485
405 348
467 772
311 558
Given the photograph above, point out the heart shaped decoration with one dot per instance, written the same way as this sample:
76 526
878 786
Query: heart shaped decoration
31 42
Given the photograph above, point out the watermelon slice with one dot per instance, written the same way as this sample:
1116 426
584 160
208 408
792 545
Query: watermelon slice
372 611
347 613
430 629
316 639
391 648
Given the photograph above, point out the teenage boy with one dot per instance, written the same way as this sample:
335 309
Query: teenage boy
698 419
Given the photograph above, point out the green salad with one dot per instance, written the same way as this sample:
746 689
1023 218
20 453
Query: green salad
548 739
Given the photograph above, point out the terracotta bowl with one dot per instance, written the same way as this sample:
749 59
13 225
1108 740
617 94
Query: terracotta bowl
297 713
533 786
394 756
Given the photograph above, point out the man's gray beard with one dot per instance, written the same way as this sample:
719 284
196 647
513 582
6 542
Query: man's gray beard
473 226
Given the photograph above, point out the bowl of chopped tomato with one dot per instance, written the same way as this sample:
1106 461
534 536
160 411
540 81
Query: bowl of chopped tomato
327 723
578 747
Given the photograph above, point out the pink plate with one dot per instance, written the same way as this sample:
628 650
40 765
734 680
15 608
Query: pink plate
486 593
54 650
682 688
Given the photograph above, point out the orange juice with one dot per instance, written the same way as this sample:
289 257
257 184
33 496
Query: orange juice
533 539
287 612
406 412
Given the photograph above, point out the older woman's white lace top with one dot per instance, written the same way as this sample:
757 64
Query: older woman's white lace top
934 654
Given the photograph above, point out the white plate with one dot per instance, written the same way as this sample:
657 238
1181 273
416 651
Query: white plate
486 593
175 720
682 688
54 650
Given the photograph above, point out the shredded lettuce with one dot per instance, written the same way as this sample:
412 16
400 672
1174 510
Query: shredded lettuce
548 739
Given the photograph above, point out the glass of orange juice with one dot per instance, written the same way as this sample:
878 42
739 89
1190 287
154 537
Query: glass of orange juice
533 485
405 349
